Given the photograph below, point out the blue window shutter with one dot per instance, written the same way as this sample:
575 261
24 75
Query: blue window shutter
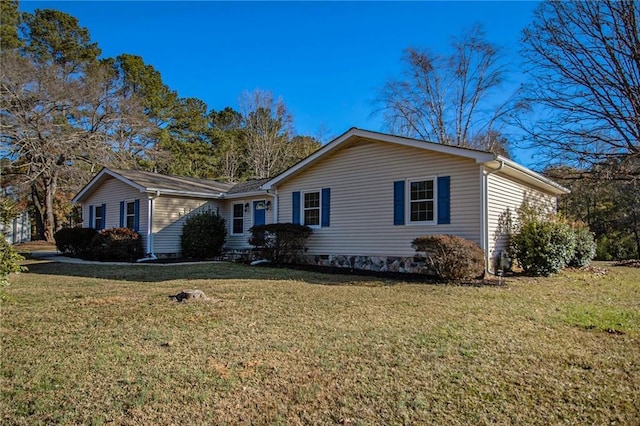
296 207
444 200
326 207
398 202
104 216
91 224
136 217
121 214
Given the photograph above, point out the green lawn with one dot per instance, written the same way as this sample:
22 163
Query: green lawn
105 345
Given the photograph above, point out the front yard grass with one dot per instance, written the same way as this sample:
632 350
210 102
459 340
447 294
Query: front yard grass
105 345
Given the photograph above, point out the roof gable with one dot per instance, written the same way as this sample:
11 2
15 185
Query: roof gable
156 183
354 135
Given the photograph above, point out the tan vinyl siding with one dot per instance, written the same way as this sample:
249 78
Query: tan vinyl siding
505 196
169 215
111 193
241 241
361 180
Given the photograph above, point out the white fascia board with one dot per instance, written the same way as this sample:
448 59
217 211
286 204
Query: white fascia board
98 179
527 174
249 194
183 193
310 159
478 156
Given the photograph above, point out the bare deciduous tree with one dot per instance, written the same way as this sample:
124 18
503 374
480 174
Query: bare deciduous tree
268 126
584 60
447 98
40 131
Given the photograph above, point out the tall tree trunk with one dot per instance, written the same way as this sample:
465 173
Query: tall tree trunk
50 186
39 210
43 194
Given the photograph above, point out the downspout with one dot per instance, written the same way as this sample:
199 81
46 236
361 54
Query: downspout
150 250
485 211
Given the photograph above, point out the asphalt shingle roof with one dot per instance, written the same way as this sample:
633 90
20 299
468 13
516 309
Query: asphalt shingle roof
249 186
155 181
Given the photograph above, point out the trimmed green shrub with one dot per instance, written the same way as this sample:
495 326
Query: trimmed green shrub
203 235
451 257
74 241
280 242
113 244
585 246
543 246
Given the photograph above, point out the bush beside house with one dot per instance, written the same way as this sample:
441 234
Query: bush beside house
585 246
75 241
280 242
451 257
114 244
544 244
203 235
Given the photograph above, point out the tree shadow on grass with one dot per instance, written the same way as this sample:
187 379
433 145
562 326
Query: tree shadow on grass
214 271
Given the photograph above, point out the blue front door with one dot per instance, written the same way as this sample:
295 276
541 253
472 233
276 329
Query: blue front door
259 213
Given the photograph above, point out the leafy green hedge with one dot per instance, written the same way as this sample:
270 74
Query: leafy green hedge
545 245
280 242
203 235
114 244
75 241
585 246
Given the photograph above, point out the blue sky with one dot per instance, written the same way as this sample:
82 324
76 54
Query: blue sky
326 59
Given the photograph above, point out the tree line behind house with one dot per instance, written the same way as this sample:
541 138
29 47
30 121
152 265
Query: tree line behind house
67 112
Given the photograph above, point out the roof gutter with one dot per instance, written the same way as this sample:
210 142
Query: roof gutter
157 192
257 193
559 189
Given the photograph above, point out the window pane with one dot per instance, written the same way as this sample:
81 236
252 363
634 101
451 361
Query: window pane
312 217
430 210
238 225
98 218
131 208
238 218
422 190
422 211
311 200
419 211
130 222
417 190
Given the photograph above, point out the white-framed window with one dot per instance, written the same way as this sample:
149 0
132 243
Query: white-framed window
311 208
237 221
98 218
422 200
130 214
